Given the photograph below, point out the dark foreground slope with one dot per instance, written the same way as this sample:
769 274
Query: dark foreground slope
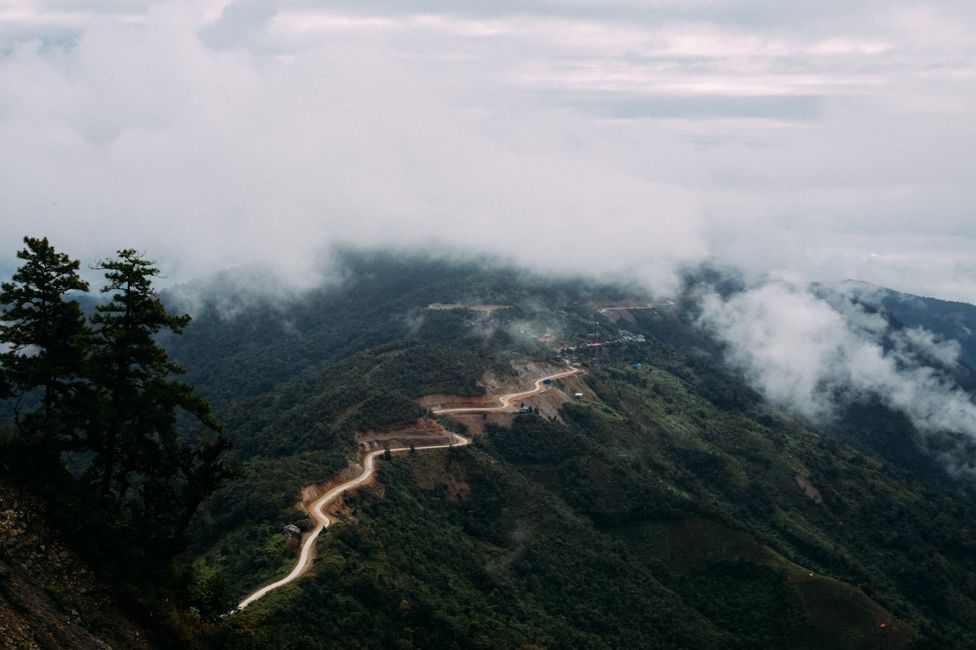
669 507
49 597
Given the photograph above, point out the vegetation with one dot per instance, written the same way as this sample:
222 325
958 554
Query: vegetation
673 510
46 336
97 410
666 514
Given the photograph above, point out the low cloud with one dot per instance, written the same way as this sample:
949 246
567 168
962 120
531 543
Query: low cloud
570 139
803 351
144 136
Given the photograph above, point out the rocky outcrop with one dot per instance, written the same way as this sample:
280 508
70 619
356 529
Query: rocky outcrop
49 598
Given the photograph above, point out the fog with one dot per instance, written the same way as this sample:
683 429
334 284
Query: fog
566 137
240 143
808 354
209 158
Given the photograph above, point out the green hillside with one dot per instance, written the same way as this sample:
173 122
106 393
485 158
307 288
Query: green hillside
653 501
669 511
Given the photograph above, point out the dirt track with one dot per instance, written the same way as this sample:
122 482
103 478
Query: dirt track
505 401
322 520
317 508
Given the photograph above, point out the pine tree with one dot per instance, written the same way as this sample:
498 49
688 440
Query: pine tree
106 386
47 339
136 435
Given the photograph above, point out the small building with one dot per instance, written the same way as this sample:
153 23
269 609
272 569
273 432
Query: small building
292 531
293 537
578 395
638 365
547 382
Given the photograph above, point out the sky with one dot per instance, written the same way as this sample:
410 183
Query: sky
247 139
825 141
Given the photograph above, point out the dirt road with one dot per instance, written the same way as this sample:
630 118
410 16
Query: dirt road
505 401
322 520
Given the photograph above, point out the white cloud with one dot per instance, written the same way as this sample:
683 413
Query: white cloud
832 142
944 352
801 352
144 135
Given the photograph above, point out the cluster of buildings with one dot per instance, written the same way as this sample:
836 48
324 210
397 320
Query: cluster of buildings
625 337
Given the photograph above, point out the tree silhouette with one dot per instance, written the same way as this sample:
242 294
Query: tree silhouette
46 337
135 432
104 387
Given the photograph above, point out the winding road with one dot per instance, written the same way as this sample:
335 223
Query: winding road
322 520
505 401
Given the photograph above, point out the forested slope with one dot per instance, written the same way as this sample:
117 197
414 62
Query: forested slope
675 509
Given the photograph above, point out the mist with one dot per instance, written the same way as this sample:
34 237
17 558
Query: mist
239 144
567 139
209 158
810 354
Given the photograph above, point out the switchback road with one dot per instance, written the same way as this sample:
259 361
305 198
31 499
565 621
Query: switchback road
317 509
506 400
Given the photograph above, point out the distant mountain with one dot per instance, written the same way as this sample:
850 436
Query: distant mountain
950 320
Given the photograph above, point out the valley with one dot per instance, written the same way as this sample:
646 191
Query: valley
554 325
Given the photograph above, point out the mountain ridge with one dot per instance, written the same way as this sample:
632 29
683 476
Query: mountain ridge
678 401
659 501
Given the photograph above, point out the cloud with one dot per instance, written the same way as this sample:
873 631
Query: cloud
802 351
562 136
145 136
825 141
945 353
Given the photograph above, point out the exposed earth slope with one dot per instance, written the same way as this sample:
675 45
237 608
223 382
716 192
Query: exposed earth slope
49 597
